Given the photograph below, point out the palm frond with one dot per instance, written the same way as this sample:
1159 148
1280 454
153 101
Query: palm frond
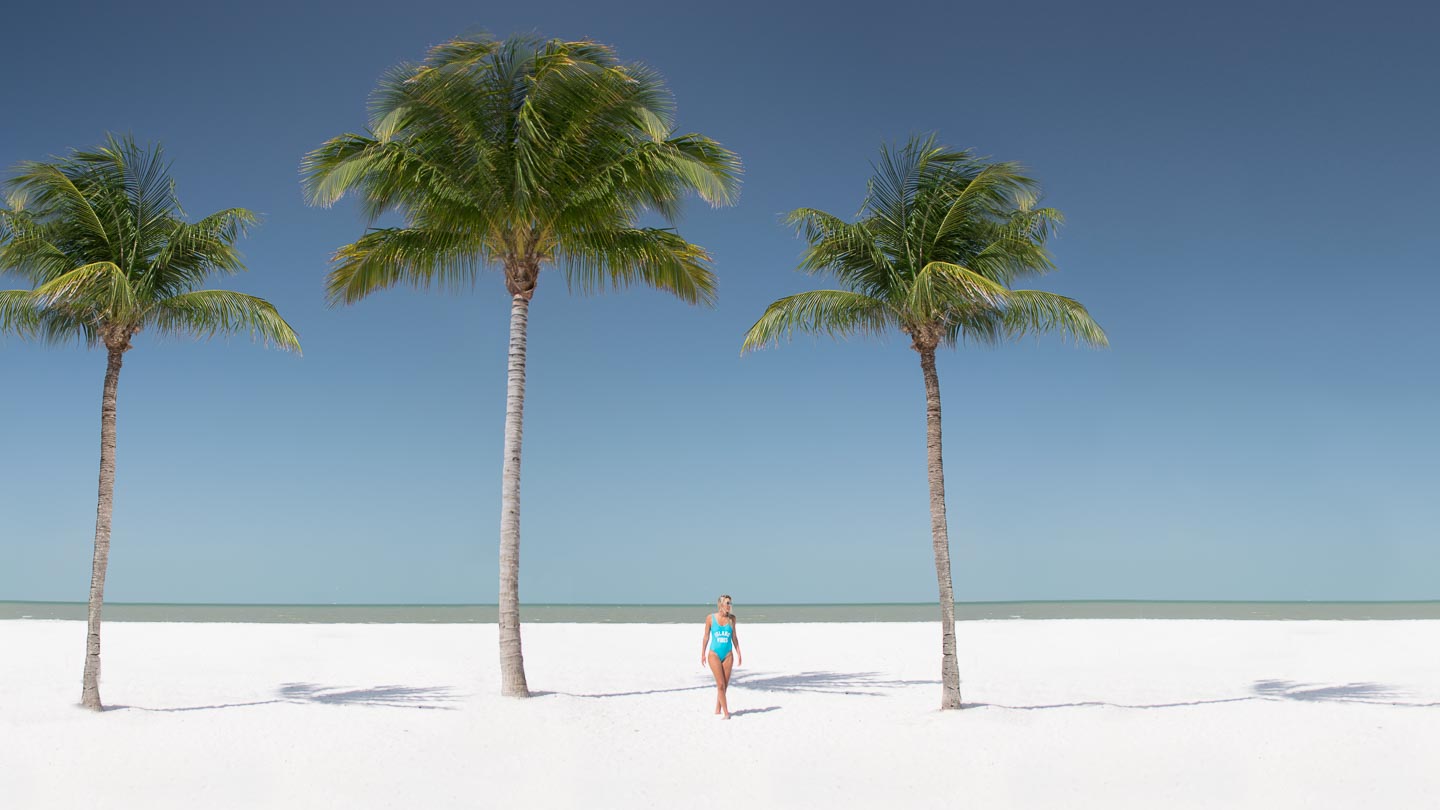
23 314
207 313
993 191
463 52
658 258
388 173
1016 247
707 168
28 247
337 166
20 312
101 288
193 251
836 313
147 201
386 257
1036 312
850 251
49 188
942 289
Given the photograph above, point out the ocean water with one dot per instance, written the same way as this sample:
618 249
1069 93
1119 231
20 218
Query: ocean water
683 614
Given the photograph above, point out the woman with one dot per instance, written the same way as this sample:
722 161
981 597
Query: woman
717 645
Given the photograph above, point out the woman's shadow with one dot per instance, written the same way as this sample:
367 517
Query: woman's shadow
739 712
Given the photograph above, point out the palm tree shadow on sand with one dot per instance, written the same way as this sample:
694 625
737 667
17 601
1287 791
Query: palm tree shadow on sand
870 684
390 696
1375 694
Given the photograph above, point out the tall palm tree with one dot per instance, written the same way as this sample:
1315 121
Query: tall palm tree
102 239
520 154
940 238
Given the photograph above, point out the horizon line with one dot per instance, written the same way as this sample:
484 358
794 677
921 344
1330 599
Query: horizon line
753 604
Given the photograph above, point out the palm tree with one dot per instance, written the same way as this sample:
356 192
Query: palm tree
940 238
101 237
520 154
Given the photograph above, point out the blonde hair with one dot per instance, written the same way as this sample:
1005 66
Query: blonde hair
723 597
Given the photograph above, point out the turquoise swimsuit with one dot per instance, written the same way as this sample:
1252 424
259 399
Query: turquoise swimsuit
720 637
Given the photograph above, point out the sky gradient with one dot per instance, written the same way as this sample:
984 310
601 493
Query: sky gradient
1249 195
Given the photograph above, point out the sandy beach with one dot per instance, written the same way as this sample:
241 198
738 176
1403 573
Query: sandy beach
1144 714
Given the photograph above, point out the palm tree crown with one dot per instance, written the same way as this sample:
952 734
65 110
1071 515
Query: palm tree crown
521 153
940 239
102 238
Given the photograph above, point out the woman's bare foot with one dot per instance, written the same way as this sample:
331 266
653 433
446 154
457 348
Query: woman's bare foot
727 715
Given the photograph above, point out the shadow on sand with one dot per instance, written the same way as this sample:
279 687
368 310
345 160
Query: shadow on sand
1375 694
830 683
743 712
391 696
1334 693
870 684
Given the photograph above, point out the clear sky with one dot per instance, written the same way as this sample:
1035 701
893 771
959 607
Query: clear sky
1250 195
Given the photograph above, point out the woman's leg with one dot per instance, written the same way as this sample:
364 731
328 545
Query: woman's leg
728 665
721 681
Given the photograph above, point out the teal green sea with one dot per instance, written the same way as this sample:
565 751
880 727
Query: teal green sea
680 614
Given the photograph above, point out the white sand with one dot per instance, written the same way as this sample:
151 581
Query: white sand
1066 714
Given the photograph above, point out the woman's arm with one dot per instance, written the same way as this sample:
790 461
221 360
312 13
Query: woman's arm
705 642
735 638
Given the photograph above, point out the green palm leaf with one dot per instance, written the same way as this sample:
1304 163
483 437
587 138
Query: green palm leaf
655 257
1036 312
942 290
206 313
26 316
101 288
385 257
26 248
48 187
20 312
836 313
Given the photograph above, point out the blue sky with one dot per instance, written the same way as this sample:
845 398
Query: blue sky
1250 201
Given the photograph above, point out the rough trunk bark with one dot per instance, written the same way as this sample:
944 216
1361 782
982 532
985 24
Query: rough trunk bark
512 662
90 691
940 535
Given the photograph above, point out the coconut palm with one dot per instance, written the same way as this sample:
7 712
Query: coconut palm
940 239
522 154
102 239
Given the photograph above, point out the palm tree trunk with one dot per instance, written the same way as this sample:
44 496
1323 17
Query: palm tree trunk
90 692
940 535
512 662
